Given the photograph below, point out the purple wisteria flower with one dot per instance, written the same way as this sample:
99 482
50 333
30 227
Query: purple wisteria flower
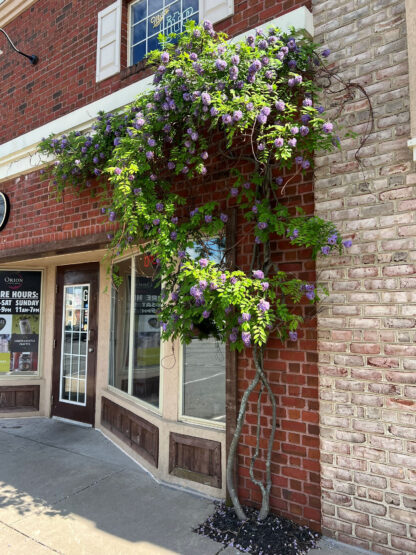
203 262
306 164
234 191
235 59
262 225
293 335
299 160
208 218
233 280
173 235
326 53
255 66
291 82
112 216
305 118
206 314
193 56
233 337
213 286
203 284
278 142
164 57
245 317
332 239
237 115
204 155
347 243
224 218
258 274
150 155
175 296
220 64
246 337
307 102
181 254
265 285
263 305
137 191
292 142
280 105
156 221
117 171
304 130
249 106
206 98
279 180
171 165
160 206
250 40
262 118
320 109
292 64
233 73
294 234
325 250
226 119
327 127
294 130
174 220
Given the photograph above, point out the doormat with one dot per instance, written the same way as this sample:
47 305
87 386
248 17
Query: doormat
273 536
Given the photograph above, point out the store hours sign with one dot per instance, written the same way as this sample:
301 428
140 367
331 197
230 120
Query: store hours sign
20 297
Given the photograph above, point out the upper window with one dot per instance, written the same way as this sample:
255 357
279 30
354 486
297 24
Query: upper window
148 18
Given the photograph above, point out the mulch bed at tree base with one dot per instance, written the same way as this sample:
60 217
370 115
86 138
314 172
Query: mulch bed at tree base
273 536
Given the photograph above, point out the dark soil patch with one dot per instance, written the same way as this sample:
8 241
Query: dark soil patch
273 536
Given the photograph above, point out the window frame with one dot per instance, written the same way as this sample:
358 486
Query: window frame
128 395
129 30
195 419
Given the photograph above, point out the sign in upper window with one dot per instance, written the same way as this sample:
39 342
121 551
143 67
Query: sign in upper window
148 18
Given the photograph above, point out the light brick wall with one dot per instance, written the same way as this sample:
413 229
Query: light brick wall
367 326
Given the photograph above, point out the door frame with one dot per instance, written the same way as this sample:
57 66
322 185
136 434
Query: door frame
66 411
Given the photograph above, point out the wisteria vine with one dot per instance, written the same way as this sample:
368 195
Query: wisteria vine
257 100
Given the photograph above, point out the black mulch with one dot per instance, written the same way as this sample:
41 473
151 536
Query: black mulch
274 536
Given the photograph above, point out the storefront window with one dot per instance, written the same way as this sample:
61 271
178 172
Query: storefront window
204 380
20 302
135 335
204 361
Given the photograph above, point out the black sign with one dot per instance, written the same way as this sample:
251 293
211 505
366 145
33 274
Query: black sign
4 210
19 321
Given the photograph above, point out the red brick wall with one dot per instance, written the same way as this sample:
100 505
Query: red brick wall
64 37
37 217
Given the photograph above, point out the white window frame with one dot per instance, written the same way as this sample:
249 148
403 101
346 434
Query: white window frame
129 27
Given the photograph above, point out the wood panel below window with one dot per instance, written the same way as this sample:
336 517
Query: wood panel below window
196 459
136 432
19 398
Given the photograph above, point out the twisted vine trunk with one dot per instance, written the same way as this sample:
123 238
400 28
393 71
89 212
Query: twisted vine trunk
265 488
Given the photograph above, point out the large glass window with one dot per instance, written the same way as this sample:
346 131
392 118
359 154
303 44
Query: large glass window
148 18
204 360
135 334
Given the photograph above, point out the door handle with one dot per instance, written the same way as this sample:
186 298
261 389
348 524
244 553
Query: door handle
90 349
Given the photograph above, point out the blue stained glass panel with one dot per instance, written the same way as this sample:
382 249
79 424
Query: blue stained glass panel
139 52
139 32
155 6
138 11
152 44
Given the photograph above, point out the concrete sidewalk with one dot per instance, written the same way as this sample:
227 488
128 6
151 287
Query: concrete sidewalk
67 489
